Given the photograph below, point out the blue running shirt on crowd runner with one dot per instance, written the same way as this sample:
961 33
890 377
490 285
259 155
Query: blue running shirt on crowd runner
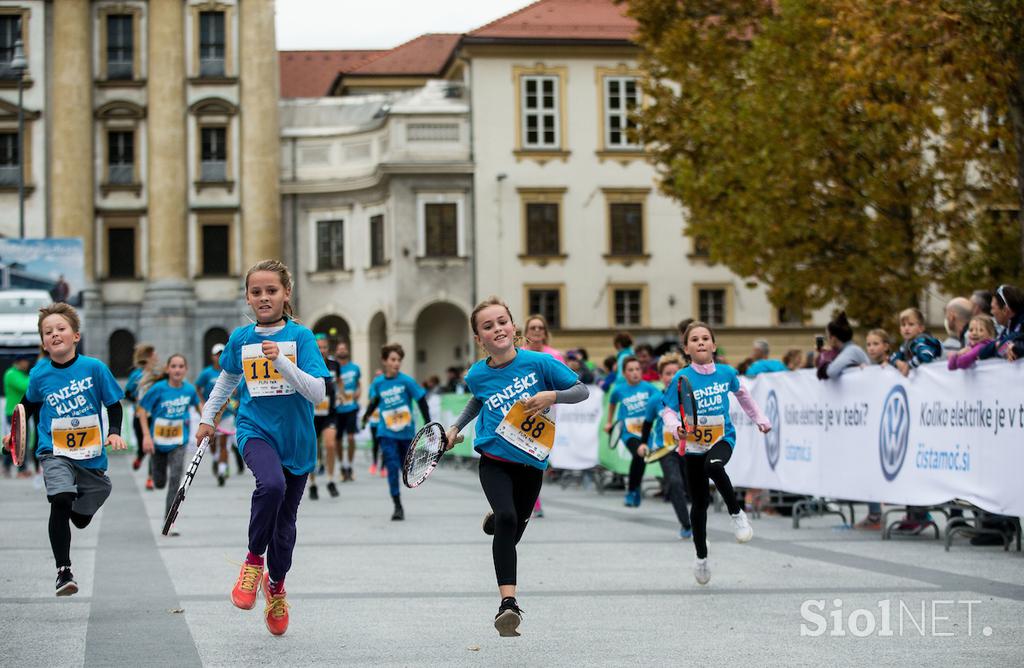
206 381
285 420
711 392
72 404
397 396
632 403
498 389
132 386
653 415
168 413
348 383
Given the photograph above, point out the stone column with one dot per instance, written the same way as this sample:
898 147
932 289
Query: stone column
260 153
71 166
169 300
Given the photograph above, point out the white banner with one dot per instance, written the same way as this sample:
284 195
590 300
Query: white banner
873 435
576 433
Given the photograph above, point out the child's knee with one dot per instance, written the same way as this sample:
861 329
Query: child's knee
79 520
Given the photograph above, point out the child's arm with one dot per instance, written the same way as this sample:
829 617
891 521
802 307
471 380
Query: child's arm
965 359
312 388
370 408
115 415
147 438
424 408
222 390
539 402
752 410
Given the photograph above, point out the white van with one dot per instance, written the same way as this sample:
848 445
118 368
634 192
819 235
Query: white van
19 320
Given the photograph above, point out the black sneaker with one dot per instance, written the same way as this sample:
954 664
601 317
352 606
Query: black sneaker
508 618
399 513
332 489
66 585
221 479
488 525
313 494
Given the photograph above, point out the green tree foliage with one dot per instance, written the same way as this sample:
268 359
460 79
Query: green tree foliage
837 151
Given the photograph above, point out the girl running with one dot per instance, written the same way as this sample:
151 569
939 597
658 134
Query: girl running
221 442
394 393
285 376
628 404
68 392
349 386
144 360
511 389
654 427
163 413
324 423
707 452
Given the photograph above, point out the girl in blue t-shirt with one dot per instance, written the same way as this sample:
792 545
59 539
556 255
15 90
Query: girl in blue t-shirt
67 393
512 390
144 361
285 376
627 403
393 394
163 412
709 446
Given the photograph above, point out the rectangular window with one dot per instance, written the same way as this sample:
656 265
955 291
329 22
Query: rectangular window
10 32
10 159
628 305
215 250
540 112
120 46
542 229
330 245
547 302
711 307
211 44
441 229
214 154
121 252
377 241
621 95
121 156
627 228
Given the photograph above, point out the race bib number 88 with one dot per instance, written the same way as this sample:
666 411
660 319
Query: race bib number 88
534 435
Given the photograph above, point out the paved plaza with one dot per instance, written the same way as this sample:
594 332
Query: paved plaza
600 585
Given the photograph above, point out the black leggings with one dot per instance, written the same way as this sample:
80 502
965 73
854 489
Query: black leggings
60 529
512 490
698 468
636 467
675 486
376 446
137 428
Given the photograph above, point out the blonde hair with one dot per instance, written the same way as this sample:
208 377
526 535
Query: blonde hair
912 313
153 378
142 353
988 323
285 276
63 310
882 334
670 358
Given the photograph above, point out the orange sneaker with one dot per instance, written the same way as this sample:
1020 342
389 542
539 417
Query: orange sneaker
276 612
247 586
149 484
373 469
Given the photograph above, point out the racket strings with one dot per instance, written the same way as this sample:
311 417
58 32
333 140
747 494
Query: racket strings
424 453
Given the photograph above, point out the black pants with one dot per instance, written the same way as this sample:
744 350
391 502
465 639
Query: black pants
675 485
61 519
636 467
512 490
698 468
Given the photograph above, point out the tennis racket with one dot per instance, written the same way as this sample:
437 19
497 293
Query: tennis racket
16 444
687 404
172 514
427 447
655 455
616 434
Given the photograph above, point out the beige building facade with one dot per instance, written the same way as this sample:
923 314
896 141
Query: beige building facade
144 108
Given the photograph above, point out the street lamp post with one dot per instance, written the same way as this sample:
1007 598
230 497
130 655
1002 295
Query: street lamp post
19 65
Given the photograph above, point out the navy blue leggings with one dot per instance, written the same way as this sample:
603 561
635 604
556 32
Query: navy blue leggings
275 506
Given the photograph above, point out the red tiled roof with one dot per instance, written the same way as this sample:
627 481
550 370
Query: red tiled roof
311 73
426 55
562 20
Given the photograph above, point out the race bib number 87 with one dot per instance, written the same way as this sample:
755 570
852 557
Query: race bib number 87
77 437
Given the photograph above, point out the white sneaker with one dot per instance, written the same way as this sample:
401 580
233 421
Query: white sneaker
741 527
702 571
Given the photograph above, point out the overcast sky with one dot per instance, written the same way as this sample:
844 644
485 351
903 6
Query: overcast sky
376 24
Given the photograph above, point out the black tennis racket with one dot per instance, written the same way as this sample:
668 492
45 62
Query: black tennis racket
427 447
16 442
616 434
687 404
172 514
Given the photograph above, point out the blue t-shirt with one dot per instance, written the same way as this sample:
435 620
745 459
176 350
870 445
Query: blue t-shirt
168 413
498 389
765 366
653 415
132 386
348 383
205 383
712 394
72 401
279 415
632 400
397 396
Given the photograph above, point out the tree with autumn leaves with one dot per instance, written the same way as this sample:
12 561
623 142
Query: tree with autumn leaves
840 151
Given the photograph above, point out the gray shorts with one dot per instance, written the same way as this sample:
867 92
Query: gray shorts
91 486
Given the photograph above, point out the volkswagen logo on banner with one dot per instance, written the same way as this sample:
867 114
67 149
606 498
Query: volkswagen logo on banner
772 441
894 432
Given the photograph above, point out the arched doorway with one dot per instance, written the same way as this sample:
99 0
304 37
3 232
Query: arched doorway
442 340
378 336
335 327
121 346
